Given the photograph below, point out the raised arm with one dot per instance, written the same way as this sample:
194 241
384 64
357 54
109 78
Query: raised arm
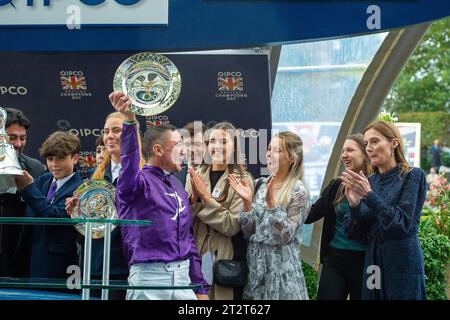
285 223
398 219
224 217
247 221
129 149
128 180
40 205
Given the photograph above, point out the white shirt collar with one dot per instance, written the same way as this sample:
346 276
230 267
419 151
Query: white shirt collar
60 182
115 165
115 170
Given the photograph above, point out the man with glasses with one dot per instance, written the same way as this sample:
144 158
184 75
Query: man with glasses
14 260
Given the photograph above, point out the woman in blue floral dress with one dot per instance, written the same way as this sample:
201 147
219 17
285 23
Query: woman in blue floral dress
272 220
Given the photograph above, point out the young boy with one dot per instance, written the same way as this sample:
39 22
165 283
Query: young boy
53 247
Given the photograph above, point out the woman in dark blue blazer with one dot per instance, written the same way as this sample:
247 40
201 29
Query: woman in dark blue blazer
386 208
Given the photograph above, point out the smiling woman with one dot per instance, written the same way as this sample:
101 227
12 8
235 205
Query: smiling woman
385 210
216 206
342 259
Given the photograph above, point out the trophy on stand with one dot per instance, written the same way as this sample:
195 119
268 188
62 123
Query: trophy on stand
9 164
95 201
151 80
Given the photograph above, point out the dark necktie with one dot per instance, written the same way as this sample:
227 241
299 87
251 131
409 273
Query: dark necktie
51 191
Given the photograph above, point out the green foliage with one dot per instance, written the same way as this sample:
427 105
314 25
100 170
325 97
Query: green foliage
436 250
387 116
424 84
311 280
435 125
445 159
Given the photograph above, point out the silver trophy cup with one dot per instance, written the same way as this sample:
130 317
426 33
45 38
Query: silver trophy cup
9 164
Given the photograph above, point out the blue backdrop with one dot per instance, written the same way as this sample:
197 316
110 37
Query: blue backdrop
70 92
207 24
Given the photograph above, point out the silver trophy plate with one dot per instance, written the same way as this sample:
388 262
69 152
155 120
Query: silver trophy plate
95 201
151 80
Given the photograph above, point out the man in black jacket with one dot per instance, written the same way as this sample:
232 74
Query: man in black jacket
14 260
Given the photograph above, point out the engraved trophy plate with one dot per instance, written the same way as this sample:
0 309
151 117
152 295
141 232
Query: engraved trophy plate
151 80
95 201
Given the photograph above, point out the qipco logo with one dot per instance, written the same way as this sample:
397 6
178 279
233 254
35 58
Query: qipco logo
13 90
46 3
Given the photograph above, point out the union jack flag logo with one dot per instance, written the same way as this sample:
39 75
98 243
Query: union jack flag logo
155 123
88 161
230 83
73 83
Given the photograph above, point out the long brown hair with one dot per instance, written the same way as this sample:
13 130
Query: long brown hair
359 139
391 132
236 165
99 172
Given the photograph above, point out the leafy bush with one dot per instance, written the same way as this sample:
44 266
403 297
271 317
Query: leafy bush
311 280
436 251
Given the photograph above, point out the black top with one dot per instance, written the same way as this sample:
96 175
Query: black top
214 177
323 208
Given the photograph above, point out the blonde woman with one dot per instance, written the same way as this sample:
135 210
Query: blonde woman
272 220
215 206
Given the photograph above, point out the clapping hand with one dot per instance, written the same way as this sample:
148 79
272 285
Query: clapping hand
243 190
194 196
356 186
199 188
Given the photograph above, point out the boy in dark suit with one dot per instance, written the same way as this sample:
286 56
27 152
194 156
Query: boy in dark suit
53 247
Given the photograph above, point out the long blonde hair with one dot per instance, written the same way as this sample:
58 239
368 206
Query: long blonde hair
293 145
391 132
99 172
